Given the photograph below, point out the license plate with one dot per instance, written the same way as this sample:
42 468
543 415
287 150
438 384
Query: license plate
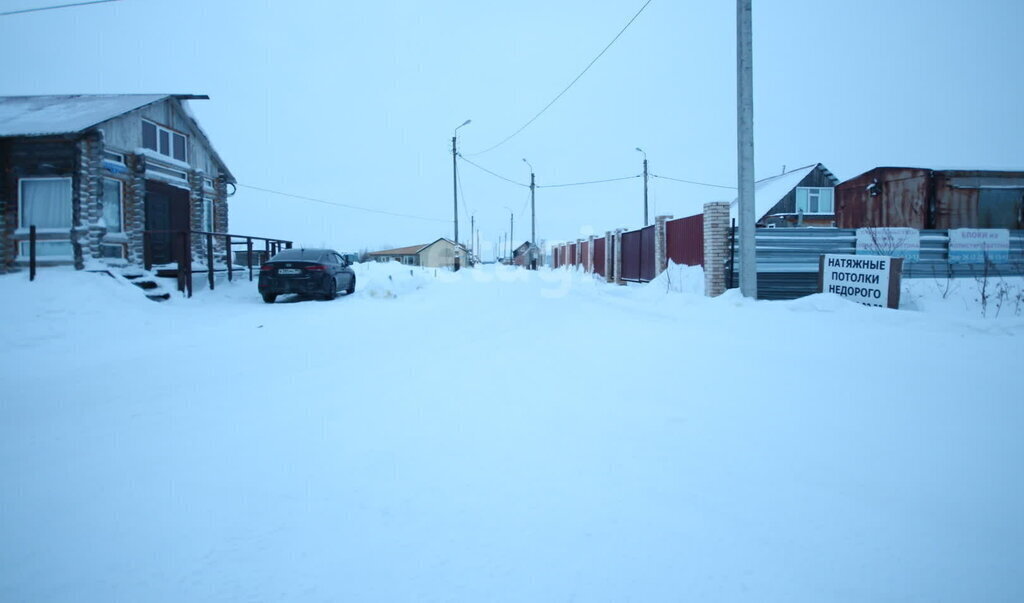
288 271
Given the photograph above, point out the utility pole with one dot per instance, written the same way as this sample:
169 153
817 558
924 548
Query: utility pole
745 146
533 215
455 190
533 219
472 238
646 219
512 234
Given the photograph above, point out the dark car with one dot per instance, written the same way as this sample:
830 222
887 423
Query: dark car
308 272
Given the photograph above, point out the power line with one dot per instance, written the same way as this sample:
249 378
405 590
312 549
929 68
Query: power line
692 182
554 100
496 175
346 205
42 8
588 182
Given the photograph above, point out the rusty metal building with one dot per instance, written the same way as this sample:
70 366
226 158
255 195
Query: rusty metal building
931 199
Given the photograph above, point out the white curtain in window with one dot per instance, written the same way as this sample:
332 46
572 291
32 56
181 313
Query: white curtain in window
112 204
46 203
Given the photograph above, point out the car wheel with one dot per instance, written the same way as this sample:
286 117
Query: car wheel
269 297
351 286
332 290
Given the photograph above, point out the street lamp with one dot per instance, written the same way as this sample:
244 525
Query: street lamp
533 215
646 221
455 189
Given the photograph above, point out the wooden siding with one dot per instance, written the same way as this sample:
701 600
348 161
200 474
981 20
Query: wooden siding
124 133
818 177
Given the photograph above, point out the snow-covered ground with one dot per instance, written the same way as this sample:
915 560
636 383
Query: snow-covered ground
500 435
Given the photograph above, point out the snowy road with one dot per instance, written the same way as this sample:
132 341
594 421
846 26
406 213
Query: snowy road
503 436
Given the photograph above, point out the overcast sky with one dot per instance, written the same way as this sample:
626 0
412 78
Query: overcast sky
356 102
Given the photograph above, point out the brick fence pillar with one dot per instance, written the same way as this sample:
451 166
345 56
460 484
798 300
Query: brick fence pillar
609 253
716 247
660 244
617 262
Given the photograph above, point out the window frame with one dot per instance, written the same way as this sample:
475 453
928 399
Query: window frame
120 206
160 130
208 219
23 249
816 190
21 204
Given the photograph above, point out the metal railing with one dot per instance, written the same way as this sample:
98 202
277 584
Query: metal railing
181 248
32 252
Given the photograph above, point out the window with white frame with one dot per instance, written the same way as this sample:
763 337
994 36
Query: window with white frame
112 205
815 200
164 141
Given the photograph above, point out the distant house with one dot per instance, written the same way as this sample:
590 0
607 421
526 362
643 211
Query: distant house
800 197
931 199
439 254
521 254
92 172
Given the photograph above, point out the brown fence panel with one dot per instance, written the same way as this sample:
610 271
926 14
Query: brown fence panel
647 263
599 256
685 240
585 252
572 255
631 255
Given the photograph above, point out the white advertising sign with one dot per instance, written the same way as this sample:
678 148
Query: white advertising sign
973 245
867 280
897 242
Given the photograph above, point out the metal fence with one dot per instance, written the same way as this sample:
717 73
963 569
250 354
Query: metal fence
599 257
638 255
684 240
787 259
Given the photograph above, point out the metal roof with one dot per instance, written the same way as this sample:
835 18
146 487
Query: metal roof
69 114
411 250
414 249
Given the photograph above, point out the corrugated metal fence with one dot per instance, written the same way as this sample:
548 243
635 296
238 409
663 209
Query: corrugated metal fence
684 244
638 255
787 259
684 240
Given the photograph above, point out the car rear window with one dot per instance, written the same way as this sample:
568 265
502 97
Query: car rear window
311 255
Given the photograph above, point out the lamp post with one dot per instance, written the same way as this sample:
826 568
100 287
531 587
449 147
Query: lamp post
533 214
455 189
646 220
